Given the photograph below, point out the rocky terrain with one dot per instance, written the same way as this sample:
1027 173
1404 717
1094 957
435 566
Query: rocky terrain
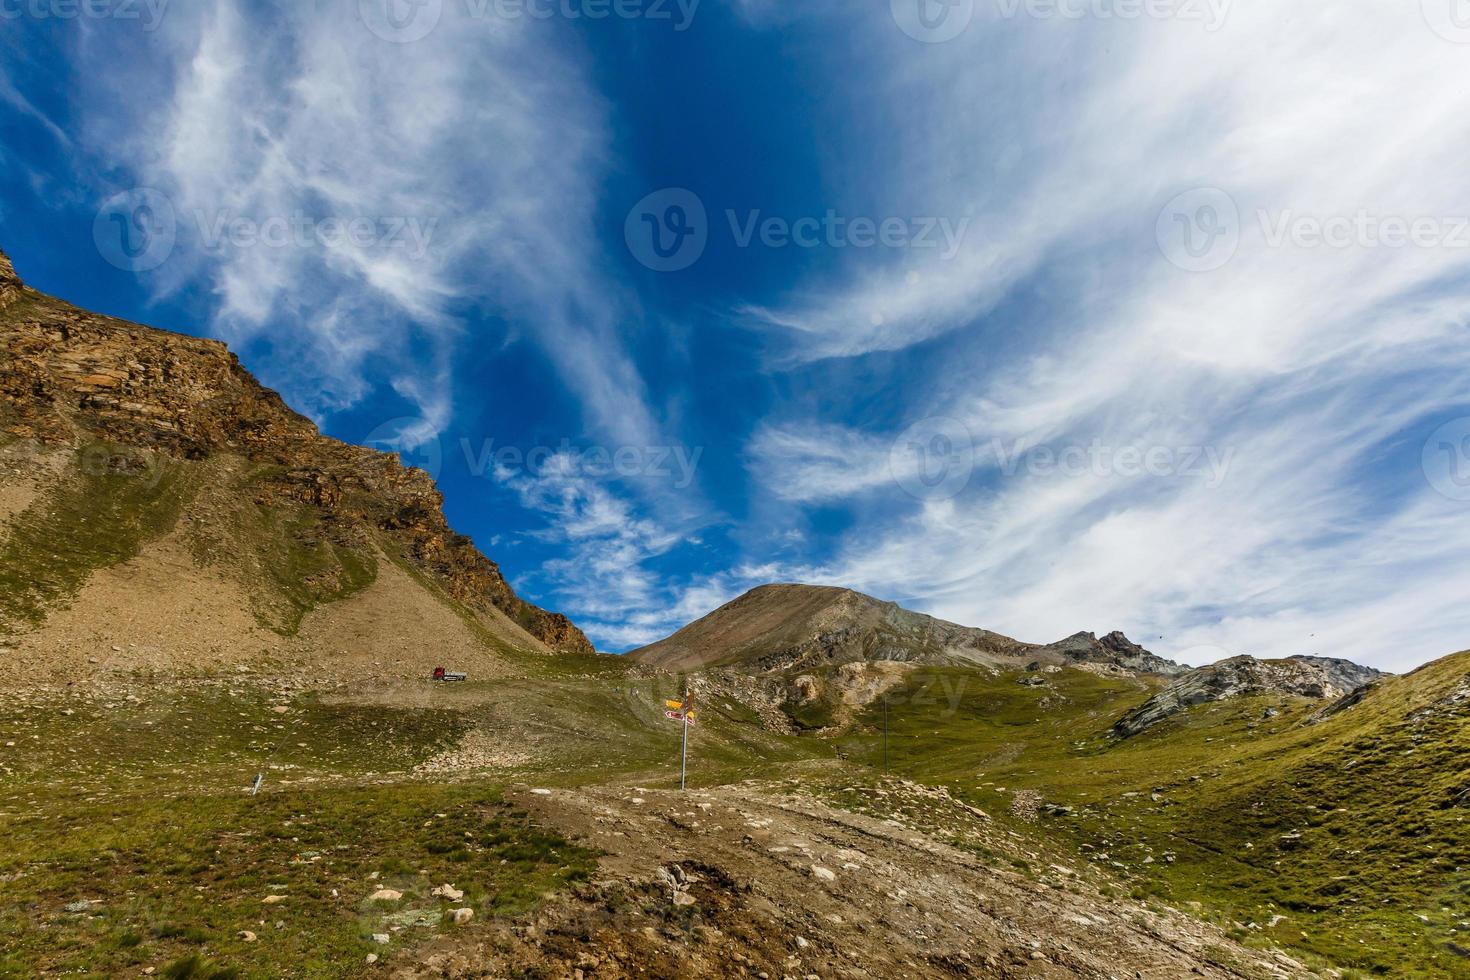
1114 649
87 399
770 879
1315 678
812 657
786 627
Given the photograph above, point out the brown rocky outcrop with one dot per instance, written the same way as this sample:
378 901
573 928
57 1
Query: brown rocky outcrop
69 377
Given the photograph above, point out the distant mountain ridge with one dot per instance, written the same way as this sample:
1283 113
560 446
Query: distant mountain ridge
800 627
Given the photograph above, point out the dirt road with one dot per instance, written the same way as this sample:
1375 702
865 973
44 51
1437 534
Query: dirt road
766 880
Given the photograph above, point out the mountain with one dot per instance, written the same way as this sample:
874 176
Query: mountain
192 578
156 501
1315 678
799 627
803 627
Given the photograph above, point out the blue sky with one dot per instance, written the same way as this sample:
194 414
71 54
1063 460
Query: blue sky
1037 317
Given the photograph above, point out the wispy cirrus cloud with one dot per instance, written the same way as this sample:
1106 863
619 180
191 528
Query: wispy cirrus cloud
470 160
1319 368
1175 242
605 579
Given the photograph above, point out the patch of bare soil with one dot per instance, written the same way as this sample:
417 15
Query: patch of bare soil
24 470
757 880
396 629
163 612
158 612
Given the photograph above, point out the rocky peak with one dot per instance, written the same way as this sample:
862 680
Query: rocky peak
788 627
1317 678
1115 649
1340 675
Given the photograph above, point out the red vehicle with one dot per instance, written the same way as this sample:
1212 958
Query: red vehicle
449 677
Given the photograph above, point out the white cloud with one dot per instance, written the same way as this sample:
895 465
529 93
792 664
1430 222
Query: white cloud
1320 369
813 462
475 153
603 580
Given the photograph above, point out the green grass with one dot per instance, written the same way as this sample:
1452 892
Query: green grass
298 559
142 810
140 806
180 875
215 733
1372 794
109 502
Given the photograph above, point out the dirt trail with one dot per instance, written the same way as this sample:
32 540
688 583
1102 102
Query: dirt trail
772 882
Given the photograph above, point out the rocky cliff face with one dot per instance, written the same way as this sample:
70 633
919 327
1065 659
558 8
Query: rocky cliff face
1318 678
69 377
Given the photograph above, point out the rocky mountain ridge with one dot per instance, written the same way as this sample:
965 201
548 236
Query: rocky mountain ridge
790 627
10 284
799 627
70 379
1316 678
1115 649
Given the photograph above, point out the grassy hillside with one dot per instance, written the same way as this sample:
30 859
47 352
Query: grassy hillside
1346 839
105 503
109 501
132 841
